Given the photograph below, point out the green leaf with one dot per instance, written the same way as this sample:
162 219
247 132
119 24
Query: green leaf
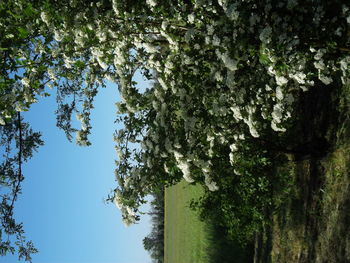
29 10
23 33
12 14
79 64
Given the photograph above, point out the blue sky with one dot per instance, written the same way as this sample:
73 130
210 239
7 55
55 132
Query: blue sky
62 204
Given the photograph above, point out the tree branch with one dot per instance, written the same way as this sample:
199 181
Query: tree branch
17 186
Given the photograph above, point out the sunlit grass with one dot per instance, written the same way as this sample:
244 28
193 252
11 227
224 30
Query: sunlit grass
186 237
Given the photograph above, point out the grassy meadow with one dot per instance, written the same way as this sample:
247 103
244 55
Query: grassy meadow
186 237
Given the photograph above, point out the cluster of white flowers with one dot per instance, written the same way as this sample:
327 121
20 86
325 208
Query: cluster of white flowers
209 182
81 138
128 213
25 81
345 69
184 166
45 17
152 3
222 72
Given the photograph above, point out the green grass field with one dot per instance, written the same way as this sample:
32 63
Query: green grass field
186 237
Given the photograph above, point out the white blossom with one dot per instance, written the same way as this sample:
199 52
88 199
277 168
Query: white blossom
216 40
230 63
210 30
51 74
281 80
165 25
236 113
58 35
151 3
277 113
320 65
276 128
150 48
233 147
185 169
326 80
81 138
45 18
25 81
279 93
2 121
212 186
118 199
191 18
265 35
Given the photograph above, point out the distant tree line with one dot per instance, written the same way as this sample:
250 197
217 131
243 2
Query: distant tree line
154 242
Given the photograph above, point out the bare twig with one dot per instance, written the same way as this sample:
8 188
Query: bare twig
344 49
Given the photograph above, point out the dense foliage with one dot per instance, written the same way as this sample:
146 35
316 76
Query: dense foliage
226 78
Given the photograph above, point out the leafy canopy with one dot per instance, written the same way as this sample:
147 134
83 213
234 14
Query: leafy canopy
226 76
